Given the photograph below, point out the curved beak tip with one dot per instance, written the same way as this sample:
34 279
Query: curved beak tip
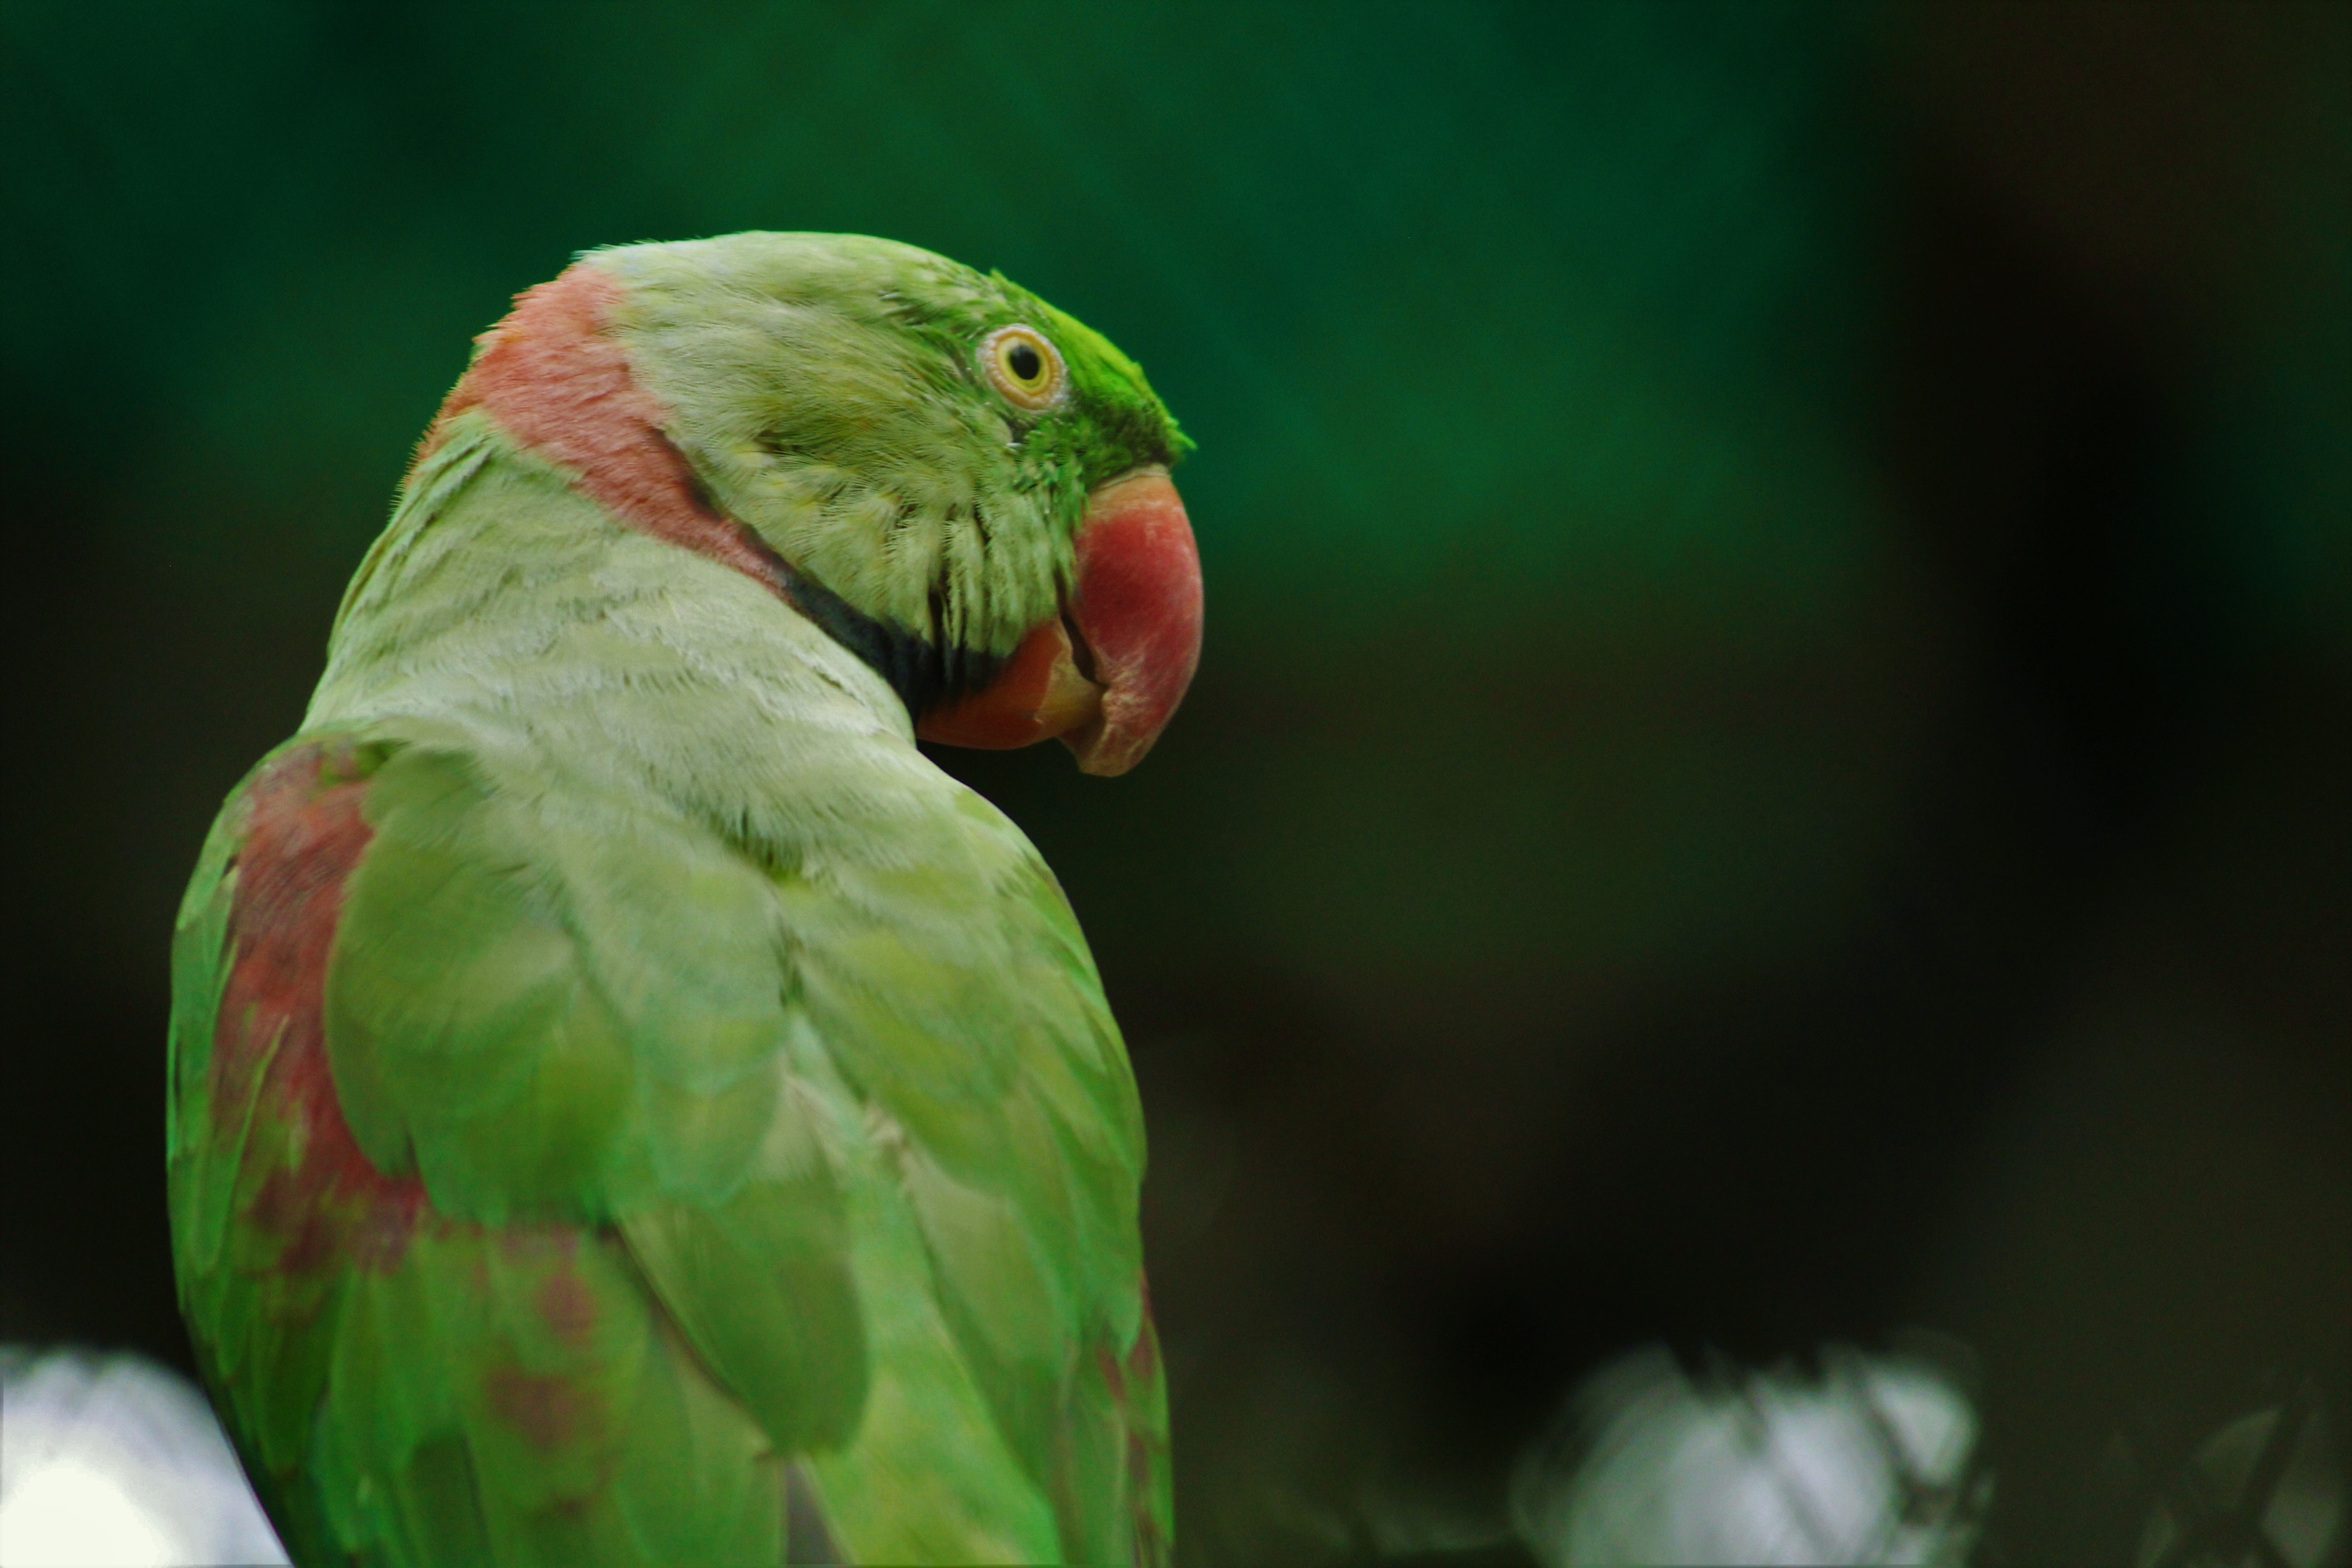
1136 601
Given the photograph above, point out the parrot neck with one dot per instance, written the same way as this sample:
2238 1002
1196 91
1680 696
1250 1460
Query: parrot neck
504 607
553 379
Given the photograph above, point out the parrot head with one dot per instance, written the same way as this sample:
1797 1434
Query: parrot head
960 484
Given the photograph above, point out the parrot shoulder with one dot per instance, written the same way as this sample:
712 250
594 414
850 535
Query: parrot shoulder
847 1118
420 1073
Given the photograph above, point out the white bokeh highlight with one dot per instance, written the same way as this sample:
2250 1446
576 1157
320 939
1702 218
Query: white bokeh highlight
1867 1462
114 1462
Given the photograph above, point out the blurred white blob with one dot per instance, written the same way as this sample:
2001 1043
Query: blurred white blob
1867 1463
114 1462
2267 1488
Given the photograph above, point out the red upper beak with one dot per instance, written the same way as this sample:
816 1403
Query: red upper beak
1135 608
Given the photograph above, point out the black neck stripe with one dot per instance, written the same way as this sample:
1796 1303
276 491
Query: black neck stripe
925 674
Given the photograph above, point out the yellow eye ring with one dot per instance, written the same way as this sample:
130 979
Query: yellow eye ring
1025 367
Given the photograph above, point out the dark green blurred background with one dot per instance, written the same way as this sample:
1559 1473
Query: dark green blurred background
1771 761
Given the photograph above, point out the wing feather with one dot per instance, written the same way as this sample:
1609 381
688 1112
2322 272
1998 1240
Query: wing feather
548 1171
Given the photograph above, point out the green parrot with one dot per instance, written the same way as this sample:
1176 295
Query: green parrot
628 1105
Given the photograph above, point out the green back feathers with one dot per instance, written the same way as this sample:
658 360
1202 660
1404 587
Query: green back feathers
766 1110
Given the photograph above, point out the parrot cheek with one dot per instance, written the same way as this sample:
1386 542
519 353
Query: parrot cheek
1105 676
1136 606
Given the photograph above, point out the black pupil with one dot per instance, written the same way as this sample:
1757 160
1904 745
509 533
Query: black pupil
1023 361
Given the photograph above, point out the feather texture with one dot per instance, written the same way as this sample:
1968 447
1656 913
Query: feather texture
628 1107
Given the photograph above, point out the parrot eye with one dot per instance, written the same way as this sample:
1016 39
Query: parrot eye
1024 365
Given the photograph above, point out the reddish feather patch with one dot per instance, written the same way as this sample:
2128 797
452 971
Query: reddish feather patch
567 1306
548 1411
557 382
325 1202
320 1199
1146 1450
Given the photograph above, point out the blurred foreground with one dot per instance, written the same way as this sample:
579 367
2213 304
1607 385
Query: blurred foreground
114 1462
